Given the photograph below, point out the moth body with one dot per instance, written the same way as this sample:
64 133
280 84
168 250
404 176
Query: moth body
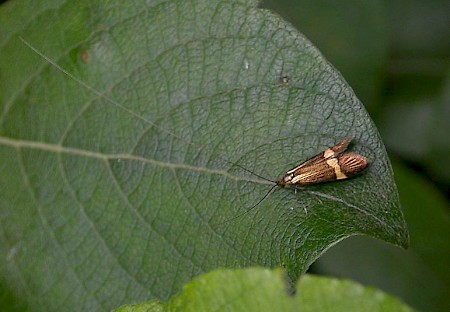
329 165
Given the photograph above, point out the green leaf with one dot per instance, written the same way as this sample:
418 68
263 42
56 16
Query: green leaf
144 307
120 186
257 289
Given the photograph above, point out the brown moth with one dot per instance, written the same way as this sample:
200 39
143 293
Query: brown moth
329 165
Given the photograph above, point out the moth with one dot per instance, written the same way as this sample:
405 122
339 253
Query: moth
330 165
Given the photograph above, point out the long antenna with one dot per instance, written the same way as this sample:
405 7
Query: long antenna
255 174
250 209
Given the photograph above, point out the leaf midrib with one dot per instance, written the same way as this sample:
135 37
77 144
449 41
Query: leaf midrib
60 149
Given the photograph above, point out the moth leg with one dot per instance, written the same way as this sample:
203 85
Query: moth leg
298 188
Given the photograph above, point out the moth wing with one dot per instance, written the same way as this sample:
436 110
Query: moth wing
339 148
322 157
316 160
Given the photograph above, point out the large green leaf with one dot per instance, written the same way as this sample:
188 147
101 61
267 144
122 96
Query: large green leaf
117 188
260 290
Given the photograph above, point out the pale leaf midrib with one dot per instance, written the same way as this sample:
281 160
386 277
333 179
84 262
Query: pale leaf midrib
60 149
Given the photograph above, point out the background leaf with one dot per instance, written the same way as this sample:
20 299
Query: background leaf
122 194
259 289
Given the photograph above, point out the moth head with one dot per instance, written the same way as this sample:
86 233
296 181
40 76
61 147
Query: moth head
285 180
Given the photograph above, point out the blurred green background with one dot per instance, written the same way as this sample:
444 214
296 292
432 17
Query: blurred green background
395 55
